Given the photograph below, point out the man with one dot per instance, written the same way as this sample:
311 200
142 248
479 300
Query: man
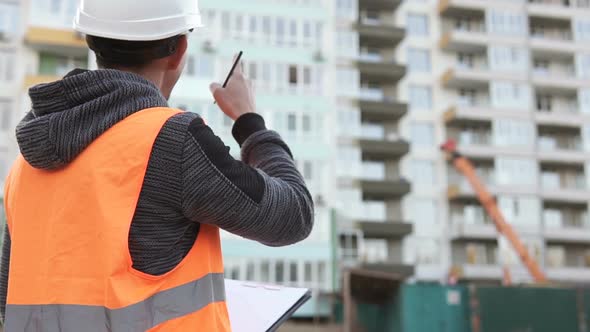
115 205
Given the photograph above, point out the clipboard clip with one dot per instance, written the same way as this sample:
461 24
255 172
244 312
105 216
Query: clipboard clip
267 287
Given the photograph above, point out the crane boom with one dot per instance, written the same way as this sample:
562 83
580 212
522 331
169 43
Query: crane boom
465 167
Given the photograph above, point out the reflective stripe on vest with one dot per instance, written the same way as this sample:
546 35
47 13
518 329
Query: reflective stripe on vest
70 267
142 316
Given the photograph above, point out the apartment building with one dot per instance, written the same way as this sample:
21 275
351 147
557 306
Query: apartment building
508 80
371 232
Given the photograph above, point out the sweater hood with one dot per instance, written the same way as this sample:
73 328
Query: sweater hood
68 115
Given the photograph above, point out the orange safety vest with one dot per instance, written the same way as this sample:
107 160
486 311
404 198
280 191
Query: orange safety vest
70 266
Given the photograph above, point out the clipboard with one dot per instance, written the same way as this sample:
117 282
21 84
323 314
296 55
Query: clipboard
255 307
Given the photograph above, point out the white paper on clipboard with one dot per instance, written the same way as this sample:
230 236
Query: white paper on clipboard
259 308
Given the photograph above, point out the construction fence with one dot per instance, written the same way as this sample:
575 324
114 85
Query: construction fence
462 308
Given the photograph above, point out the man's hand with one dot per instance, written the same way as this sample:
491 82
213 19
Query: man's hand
237 98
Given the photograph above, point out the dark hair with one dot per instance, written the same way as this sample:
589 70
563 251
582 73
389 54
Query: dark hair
112 53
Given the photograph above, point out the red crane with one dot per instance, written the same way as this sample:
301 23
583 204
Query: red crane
465 167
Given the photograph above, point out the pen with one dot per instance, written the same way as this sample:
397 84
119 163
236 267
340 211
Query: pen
231 72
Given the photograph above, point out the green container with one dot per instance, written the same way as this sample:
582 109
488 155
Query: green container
433 308
418 308
506 309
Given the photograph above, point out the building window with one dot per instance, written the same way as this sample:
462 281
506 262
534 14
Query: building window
5 115
279 271
225 23
322 273
306 119
250 275
423 173
422 135
319 34
293 75
191 66
555 256
509 132
467 97
292 122
308 170
544 103
294 272
420 98
417 25
516 171
347 9
205 68
508 58
511 95
308 272
428 251
583 64
584 100
582 30
307 76
307 34
349 246
520 210
265 271
465 60
9 17
424 212
280 32
238 27
266 28
507 23
253 71
253 27
7 66
293 33
55 6
419 60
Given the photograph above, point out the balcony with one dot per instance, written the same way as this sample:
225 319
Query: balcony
63 42
567 234
458 115
566 222
383 149
574 275
382 110
552 8
474 230
568 263
560 144
379 5
385 230
474 139
464 34
381 72
557 78
402 271
462 76
564 183
557 109
480 272
461 7
384 190
551 35
379 35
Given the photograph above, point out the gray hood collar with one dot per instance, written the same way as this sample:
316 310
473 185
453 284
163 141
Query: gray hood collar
68 115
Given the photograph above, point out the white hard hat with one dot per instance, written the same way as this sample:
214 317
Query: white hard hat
133 20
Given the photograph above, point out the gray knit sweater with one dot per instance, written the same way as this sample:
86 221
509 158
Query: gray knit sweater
191 177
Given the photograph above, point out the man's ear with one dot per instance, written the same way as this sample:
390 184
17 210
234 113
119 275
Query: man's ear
175 60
